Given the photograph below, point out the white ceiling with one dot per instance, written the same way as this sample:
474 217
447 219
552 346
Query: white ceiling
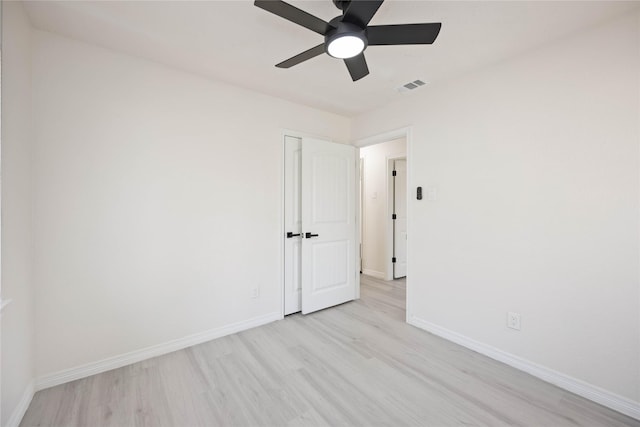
238 43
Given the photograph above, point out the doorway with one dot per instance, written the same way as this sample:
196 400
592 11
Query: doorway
384 220
399 218
384 209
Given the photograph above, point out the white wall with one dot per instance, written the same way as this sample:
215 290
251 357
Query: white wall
536 166
375 213
17 318
157 202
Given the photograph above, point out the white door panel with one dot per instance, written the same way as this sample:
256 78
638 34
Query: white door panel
329 221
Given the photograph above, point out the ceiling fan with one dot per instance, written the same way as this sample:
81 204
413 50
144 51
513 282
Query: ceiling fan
347 36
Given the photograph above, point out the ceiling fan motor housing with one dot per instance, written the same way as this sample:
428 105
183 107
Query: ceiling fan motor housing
341 29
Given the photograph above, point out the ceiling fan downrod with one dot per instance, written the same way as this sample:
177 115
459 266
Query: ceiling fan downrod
342 4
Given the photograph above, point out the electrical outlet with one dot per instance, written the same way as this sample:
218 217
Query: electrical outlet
513 320
255 292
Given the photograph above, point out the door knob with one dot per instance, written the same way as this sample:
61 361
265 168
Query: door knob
309 235
290 234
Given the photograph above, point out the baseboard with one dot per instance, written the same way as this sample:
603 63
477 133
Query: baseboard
373 273
23 405
574 385
119 361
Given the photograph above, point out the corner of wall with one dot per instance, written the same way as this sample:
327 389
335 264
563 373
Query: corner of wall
18 413
17 322
638 138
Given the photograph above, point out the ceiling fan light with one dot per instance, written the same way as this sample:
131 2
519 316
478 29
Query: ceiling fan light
345 46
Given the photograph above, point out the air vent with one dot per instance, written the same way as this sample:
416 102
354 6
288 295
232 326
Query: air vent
411 86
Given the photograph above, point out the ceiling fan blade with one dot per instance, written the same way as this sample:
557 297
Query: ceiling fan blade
379 35
301 57
357 67
360 12
293 14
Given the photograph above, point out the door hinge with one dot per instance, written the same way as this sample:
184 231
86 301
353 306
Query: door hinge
393 173
393 260
393 216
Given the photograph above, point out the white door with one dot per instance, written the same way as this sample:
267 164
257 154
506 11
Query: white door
400 223
328 223
292 225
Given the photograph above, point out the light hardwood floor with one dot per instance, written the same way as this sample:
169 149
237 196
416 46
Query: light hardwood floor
355 364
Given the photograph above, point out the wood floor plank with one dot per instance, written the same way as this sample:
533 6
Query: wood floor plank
357 364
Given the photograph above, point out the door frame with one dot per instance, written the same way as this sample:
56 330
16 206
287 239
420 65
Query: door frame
389 234
282 231
404 132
